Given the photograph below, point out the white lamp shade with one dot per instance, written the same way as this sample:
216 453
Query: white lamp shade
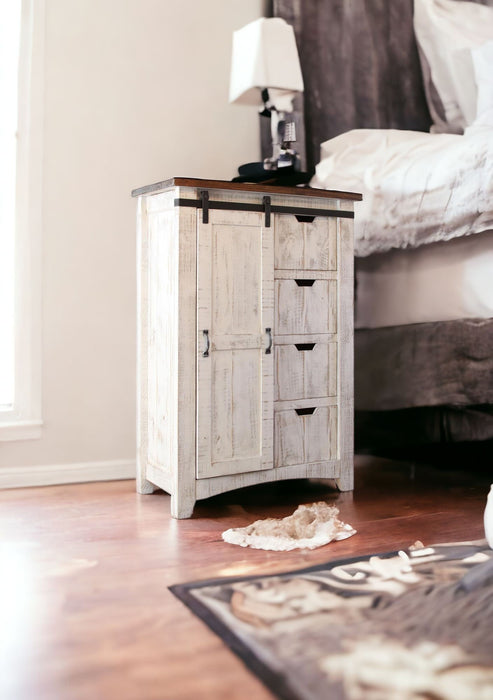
264 56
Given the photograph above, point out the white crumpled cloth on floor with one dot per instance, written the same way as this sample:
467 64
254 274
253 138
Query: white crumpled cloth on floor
310 526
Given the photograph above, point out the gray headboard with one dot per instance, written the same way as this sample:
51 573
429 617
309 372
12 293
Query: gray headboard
360 66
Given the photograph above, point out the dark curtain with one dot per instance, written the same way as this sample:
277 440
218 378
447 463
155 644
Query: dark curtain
360 66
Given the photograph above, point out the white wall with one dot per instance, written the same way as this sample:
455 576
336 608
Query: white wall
135 91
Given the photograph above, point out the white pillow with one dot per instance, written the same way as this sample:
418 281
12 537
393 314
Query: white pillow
443 29
482 59
465 85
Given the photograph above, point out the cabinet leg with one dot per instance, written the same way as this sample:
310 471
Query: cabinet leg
181 506
144 486
346 481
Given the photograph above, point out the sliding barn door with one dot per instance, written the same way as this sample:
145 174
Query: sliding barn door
234 358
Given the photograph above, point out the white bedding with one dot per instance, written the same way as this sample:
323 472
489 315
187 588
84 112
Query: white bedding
417 187
436 282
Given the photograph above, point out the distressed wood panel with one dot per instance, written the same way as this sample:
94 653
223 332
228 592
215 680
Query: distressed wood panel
321 441
310 373
167 351
162 417
302 439
235 383
289 442
236 279
221 420
315 470
301 245
346 354
184 494
236 415
306 338
305 274
143 484
303 309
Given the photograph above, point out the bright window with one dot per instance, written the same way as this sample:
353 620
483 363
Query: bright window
21 147
10 31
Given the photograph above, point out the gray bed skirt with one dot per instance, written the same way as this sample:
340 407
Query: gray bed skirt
425 364
425 392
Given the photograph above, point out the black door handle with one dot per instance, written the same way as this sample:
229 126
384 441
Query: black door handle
207 344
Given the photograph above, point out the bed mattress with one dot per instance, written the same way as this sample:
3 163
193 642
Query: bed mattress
436 282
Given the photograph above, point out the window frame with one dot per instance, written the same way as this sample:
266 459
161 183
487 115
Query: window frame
24 420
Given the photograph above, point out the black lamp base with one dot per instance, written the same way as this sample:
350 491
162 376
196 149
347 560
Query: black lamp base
287 176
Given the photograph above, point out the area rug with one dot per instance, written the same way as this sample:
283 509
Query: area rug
393 626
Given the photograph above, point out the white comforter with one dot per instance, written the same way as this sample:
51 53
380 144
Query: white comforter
417 187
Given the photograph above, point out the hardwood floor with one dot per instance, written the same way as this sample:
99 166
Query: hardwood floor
84 606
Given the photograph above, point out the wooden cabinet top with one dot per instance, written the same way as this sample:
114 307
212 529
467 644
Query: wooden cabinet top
243 187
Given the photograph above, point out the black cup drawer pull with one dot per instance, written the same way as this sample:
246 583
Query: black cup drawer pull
304 219
303 347
305 283
305 411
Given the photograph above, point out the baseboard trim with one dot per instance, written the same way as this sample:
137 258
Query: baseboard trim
49 475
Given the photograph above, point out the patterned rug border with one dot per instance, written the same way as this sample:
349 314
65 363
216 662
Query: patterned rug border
273 680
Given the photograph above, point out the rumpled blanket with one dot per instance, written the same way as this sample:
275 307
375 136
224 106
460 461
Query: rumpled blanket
417 187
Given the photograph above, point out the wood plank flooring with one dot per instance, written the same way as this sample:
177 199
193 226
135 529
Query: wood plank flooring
84 569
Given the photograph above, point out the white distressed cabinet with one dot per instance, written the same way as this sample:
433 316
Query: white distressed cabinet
245 340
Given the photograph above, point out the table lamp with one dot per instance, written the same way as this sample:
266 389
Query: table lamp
265 70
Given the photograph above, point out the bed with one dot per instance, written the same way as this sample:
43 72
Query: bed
398 105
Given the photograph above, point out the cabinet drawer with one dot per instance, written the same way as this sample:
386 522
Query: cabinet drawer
305 306
305 370
305 435
305 245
